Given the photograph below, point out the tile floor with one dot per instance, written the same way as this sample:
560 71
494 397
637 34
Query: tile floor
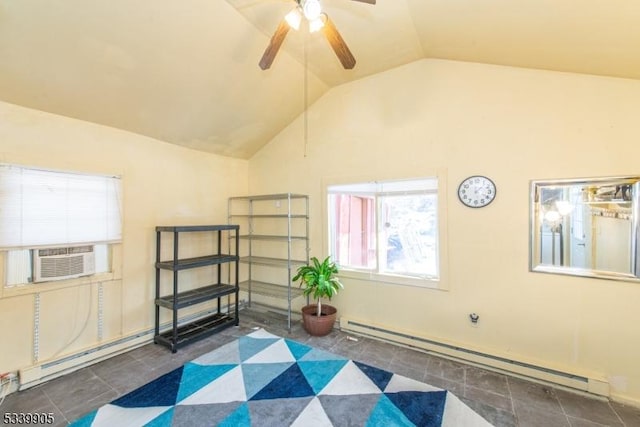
502 400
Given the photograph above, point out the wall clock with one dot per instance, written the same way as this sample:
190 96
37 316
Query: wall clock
477 191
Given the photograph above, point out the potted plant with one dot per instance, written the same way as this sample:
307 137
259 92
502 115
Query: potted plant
319 279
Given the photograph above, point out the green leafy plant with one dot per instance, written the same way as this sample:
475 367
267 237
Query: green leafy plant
319 279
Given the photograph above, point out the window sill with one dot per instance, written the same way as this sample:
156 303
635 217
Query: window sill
34 288
435 284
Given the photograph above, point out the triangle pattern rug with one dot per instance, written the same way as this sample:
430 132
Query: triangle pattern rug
265 380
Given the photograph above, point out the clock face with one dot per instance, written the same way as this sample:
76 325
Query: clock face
477 191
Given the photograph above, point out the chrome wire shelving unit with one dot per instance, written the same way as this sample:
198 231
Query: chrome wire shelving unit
276 238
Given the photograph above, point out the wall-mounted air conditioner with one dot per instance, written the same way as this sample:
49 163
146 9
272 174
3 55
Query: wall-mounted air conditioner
63 263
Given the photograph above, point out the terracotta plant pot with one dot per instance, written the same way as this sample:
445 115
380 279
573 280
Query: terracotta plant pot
315 325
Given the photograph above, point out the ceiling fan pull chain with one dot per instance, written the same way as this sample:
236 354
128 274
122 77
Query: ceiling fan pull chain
306 97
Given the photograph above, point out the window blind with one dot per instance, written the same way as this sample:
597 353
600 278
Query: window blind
49 208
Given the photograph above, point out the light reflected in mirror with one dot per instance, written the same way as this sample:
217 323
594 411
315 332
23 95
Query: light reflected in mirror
586 227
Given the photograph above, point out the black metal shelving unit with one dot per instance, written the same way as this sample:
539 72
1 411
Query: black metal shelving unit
181 334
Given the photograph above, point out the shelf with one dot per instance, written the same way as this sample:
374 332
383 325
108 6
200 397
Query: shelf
273 262
626 204
196 296
270 289
284 216
282 196
201 261
271 237
285 236
195 330
193 228
180 334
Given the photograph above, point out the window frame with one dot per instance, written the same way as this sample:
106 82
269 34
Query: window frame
112 245
439 283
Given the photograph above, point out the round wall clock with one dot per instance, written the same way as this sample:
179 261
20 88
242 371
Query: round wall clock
477 191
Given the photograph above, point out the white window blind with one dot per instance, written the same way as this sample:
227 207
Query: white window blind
48 208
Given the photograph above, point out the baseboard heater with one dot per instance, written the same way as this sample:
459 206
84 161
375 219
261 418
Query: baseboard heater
46 371
583 382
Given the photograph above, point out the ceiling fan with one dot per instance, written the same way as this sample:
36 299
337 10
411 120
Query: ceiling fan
317 20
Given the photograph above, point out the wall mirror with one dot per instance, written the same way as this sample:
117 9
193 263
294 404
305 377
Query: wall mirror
586 227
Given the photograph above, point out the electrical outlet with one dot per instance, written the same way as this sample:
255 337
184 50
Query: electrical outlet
473 317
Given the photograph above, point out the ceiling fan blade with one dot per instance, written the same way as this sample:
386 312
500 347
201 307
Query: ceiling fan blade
367 1
338 44
274 45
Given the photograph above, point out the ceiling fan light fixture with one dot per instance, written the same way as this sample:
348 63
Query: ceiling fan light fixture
316 20
316 25
294 18
311 9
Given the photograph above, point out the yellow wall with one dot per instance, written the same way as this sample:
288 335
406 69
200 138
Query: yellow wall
163 184
513 125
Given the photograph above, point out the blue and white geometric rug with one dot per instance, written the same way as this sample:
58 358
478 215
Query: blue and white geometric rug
264 380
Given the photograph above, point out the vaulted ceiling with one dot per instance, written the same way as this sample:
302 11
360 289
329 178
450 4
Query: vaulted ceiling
186 71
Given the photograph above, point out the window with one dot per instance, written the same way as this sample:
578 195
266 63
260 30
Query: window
386 228
50 209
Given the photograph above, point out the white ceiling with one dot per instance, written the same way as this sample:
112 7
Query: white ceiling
186 71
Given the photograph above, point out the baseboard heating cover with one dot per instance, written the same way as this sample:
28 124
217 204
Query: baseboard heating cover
48 370
574 380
